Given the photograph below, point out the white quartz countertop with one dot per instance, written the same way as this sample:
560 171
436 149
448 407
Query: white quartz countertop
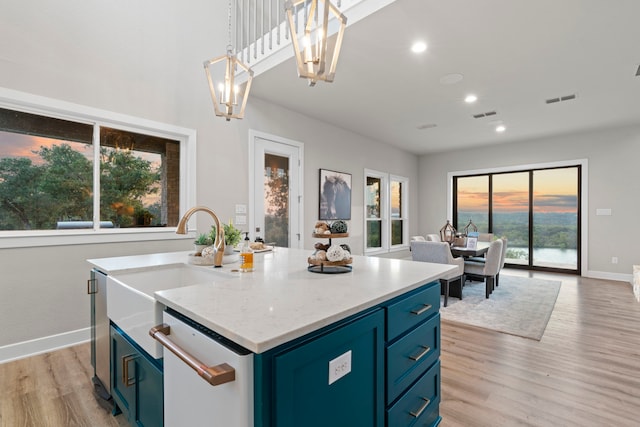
281 300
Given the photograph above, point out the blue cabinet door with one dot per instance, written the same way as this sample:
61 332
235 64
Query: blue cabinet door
137 382
307 392
123 370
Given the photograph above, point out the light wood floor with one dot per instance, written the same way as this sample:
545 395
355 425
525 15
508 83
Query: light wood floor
584 372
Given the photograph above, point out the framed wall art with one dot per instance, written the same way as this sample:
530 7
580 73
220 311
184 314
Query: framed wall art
335 195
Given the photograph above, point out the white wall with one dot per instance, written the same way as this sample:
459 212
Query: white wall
145 60
613 182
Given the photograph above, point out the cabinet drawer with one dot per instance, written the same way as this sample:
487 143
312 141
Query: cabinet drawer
404 314
411 355
419 406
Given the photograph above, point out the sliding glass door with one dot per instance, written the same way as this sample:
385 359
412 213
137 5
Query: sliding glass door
510 214
556 218
537 211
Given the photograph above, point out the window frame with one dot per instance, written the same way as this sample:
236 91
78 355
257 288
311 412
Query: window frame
404 208
385 212
583 206
98 118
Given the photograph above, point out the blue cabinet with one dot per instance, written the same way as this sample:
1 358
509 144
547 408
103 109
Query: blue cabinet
393 366
334 377
413 358
136 381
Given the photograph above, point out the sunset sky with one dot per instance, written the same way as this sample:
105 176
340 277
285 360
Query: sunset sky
555 190
19 145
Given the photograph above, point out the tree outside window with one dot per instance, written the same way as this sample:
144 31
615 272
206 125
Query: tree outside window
47 170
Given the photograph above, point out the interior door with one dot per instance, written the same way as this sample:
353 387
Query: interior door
276 209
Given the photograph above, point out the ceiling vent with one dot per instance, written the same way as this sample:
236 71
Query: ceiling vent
561 99
427 126
487 114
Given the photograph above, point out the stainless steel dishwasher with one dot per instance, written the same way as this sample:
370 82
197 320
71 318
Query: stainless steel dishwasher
208 380
100 340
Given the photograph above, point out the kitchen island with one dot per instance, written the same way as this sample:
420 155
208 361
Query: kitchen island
351 333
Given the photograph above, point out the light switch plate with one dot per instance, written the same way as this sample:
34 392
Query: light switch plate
605 212
339 367
241 209
241 219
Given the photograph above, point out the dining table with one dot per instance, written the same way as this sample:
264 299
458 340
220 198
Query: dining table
465 252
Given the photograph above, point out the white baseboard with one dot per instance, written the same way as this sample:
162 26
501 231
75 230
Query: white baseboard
620 277
24 349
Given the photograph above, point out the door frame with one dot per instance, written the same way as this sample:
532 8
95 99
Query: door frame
584 199
253 136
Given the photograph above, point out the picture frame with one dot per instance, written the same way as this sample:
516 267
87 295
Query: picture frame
334 195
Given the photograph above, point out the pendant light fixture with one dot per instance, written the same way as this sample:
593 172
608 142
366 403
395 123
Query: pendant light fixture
229 82
315 56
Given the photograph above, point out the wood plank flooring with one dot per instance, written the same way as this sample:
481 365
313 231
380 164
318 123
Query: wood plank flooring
52 390
584 372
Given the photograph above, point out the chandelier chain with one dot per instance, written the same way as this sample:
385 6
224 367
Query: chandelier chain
229 46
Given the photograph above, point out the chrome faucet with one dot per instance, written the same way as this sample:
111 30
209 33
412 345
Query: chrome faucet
218 243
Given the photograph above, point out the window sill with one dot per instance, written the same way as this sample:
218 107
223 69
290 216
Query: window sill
29 239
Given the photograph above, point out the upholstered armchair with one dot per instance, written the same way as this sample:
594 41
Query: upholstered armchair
440 253
489 269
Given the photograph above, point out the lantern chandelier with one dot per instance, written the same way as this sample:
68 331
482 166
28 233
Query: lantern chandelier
315 58
230 93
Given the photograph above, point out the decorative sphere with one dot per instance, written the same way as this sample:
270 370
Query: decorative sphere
335 253
339 227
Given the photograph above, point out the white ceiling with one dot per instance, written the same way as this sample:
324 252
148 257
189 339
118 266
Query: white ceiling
513 54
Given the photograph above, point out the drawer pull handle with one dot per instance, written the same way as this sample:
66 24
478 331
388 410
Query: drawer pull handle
126 379
425 307
90 288
426 349
421 409
214 375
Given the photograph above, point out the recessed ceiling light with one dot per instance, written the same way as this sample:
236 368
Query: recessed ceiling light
471 98
418 47
500 128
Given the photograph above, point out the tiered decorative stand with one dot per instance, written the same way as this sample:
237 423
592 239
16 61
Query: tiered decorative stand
326 266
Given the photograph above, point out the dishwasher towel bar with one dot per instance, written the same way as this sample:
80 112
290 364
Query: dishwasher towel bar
214 375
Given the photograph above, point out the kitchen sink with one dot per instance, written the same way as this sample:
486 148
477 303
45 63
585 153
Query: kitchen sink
130 297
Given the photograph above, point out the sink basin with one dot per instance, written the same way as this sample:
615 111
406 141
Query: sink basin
131 303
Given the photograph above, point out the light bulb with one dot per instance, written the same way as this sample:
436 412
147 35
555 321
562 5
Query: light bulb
471 98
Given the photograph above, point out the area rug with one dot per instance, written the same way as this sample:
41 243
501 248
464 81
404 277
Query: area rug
519 306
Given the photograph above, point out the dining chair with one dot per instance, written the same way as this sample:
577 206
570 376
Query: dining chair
433 238
485 237
440 253
489 269
502 259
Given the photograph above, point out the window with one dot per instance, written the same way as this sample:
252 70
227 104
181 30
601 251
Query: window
399 212
386 213
62 172
537 210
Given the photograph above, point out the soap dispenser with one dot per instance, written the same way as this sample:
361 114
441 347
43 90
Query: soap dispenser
246 255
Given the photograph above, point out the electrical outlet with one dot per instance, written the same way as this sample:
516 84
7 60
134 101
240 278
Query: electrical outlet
614 260
339 367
